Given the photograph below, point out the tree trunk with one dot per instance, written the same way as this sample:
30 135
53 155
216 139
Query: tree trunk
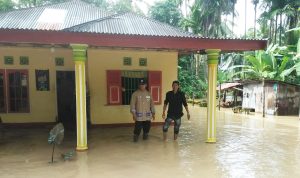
280 28
263 100
275 29
270 31
245 19
233 18
219 96
197 66
255 6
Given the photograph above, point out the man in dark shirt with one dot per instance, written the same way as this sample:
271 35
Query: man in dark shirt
175 99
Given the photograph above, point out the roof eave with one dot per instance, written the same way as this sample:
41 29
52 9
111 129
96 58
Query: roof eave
129 41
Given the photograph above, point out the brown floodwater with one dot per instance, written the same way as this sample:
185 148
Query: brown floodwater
247 146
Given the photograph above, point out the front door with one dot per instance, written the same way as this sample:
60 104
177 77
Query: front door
66 98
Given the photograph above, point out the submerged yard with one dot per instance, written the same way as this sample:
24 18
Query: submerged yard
247 146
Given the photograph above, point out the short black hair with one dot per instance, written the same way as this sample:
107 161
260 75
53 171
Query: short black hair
175 81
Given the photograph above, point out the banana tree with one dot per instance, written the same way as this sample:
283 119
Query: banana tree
296 59
275 63
269 64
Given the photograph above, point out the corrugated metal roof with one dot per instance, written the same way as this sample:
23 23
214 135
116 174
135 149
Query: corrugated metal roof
130 24
79 16
62 15
227 85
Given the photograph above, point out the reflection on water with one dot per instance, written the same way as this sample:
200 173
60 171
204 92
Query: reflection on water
247 146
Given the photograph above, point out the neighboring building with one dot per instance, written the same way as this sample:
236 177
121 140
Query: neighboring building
231 94
57 60
280 98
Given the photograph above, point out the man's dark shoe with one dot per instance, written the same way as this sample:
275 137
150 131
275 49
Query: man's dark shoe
145 137
135 138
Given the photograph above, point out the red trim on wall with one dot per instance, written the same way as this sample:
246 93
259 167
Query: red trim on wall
155 85
129 41
114 85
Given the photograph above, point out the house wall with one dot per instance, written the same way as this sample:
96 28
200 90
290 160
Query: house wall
288 100
255 99
251 96
43 106
42 103
100 60
280 99
270 98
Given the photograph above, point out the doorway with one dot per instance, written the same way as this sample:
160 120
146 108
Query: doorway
66 99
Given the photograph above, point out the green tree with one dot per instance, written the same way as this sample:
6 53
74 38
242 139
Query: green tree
122 6
276 63
6 5
103 4
34 3
166 11
206 17
255 2
192 84
277 13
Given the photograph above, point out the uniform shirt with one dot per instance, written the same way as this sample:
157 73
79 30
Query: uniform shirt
141 104
175 101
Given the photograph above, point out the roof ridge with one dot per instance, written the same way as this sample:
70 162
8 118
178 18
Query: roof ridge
96 20
164 24
44 5
141 16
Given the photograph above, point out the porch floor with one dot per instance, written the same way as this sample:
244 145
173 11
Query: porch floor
247 146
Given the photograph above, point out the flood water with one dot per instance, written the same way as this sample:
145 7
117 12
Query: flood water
247 146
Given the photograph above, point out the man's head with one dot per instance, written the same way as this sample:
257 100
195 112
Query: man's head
175 85
142 84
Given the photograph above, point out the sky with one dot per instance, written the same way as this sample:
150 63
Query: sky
239 29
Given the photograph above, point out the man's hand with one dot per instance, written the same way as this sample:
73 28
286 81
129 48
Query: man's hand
133 117
153 117
163 115
188 116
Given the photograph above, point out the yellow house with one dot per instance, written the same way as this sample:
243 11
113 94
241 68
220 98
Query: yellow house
82 65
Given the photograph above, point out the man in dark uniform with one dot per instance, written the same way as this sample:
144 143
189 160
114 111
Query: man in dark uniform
175 99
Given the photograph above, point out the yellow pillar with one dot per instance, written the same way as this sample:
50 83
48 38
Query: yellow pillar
212 60
79 57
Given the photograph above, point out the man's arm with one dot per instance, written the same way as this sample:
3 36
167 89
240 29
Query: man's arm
165 107
152 108
188 113
186 106
132 106
164 111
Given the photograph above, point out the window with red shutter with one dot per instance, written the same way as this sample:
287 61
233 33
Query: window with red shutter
114 84
2 92
17 91
155 85
130 83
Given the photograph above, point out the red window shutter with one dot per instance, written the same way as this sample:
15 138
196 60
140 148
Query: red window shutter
114 84
154 82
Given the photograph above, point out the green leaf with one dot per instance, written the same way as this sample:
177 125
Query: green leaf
287 72
283 64
293 29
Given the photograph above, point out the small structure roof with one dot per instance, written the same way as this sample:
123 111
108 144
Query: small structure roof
225 86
